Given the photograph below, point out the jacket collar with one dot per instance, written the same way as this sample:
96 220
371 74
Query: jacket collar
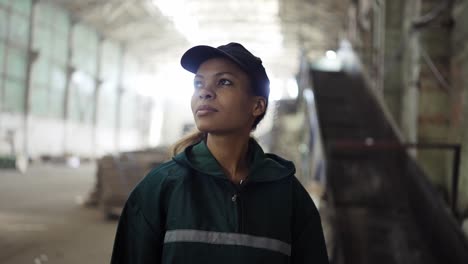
263 167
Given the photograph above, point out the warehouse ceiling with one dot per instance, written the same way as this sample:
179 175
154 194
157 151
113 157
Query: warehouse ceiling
158 31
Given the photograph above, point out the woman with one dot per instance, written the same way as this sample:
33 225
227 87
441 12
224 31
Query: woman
222 199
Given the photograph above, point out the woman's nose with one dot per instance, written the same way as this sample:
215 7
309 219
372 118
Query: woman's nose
206 93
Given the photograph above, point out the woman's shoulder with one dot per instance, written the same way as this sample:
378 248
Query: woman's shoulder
160 178
170 170
167 169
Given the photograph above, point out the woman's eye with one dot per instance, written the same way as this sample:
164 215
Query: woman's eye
197 84
224 82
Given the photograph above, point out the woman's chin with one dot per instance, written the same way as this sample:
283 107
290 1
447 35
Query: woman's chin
205 128
211 129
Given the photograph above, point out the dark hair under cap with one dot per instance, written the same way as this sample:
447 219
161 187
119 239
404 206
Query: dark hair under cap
252 65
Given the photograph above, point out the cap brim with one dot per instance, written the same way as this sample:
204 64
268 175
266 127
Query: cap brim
194 57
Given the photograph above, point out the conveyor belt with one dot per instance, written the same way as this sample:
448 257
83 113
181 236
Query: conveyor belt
386 209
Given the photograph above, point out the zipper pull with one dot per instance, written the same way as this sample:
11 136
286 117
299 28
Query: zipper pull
234 198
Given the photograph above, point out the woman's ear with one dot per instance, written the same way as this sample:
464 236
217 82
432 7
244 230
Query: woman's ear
260 106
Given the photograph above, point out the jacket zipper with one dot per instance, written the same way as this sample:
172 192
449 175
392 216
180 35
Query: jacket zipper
240 207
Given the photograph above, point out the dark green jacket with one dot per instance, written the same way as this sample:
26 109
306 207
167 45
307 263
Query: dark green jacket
187 211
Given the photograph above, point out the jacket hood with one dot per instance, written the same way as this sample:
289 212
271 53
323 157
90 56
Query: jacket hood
262 167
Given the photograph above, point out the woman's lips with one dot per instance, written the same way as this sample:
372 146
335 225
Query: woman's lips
205 110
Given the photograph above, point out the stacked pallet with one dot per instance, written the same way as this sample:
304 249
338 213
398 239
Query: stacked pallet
117 175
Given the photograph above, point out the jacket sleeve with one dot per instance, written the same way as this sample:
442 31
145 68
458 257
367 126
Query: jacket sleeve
140 233
308 243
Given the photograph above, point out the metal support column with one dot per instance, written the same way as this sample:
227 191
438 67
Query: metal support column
31 58
120 92
97 88
69 74
410 73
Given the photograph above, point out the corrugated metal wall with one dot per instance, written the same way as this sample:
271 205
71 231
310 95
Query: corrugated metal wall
13 46
81 97
48 75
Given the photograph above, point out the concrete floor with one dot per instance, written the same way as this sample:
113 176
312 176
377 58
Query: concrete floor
42 220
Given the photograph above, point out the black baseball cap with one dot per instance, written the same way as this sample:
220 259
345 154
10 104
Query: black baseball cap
252 65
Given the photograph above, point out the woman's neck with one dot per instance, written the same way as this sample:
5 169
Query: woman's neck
231 153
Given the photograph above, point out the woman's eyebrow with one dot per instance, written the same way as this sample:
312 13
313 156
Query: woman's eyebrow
222 73
216 74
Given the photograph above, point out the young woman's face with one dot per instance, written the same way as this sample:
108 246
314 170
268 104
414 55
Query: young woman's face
222 101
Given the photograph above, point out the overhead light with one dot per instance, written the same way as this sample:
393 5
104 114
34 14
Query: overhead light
292 88
276 89
330 54
167 7
179 14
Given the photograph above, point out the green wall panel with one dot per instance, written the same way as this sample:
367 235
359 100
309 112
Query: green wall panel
58 78
57 91
129 109
44 14
39 101
39 89
16 64
42 40
59 48
4 3
13 53
107 104
2 56
40 72
19 29
3 24
81 102
110 61
14 95
47 90
84 47
48 75
61 22
21 6
56 103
